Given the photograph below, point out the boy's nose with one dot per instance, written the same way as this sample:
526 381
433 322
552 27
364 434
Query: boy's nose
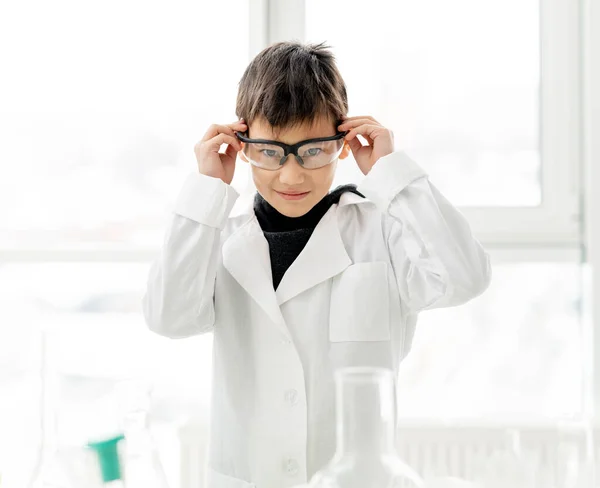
291 173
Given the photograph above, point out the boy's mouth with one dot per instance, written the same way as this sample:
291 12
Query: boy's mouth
289 195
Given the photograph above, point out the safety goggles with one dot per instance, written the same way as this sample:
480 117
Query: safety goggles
311 153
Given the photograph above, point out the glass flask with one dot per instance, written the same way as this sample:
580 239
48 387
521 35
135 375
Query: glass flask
47 472
366 455
142 464
574 465
511 465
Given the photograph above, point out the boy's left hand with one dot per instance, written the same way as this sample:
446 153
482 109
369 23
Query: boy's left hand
380 139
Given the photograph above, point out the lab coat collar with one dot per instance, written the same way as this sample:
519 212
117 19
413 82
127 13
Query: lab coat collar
349 198
323 256
246 257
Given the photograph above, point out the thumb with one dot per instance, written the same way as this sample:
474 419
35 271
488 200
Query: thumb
355 144
231 154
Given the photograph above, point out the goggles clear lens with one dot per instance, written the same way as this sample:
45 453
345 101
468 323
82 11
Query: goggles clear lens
314 155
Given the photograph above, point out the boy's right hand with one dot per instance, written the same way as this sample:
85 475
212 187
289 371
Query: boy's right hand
210 161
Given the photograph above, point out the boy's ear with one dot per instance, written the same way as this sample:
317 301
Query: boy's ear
241 154
345 151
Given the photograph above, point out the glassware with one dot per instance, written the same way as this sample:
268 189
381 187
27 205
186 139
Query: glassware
47 472
574 462
65 425
509 466
109 462
142 465
366 455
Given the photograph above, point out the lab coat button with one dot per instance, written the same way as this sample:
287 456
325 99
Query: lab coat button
291 467
291 396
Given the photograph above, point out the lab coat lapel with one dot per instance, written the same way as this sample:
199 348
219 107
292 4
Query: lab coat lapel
246 257
323 256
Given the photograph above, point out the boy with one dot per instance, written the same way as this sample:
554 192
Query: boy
305 281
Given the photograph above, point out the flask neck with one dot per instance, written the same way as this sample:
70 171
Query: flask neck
137 433
136 420
366 413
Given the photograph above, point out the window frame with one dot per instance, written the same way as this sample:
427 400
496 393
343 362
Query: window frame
591 152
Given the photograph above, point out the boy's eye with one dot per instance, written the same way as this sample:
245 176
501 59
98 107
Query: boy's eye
270 153
313 151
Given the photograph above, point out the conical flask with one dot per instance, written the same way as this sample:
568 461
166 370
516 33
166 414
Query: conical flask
143 467
366 455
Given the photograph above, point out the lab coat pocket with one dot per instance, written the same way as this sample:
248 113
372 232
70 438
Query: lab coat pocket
215 479
360 300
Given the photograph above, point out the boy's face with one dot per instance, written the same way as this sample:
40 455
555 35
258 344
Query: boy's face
293 190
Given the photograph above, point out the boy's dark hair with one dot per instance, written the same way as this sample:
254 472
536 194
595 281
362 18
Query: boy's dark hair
289 84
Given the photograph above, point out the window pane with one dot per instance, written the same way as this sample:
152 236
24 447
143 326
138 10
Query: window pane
458 82
515 351
99 124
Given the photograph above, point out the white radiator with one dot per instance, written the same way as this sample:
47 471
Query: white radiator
548 453
463 451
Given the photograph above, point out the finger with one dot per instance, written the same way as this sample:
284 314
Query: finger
355 145
238 125
231 152
365 130
367 138
216 129
216 142
346 125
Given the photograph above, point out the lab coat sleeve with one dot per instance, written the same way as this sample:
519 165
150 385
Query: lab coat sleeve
436 260
179 297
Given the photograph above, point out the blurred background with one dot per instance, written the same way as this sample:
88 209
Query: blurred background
101 104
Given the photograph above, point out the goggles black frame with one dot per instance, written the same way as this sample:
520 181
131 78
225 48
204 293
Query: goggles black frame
290 148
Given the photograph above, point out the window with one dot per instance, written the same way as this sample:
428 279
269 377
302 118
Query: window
103 103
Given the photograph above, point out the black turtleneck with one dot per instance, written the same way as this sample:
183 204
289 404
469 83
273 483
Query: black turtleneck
287 236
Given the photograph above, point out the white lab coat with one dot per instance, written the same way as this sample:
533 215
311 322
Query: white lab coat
350 298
